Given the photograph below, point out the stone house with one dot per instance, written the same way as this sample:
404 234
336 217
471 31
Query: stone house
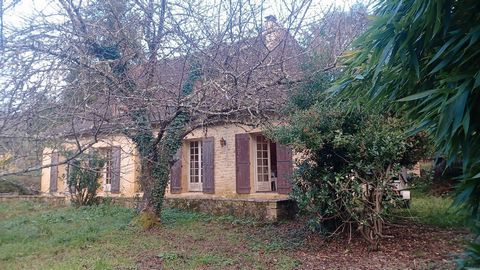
222 167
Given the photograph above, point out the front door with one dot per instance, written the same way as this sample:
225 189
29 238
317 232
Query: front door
195 167
262 164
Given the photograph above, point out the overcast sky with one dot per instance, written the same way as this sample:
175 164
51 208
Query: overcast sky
273 7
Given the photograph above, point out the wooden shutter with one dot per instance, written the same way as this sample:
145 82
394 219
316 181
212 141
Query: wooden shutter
54 172
242 161
116 166
208 165
176 173
284 169
67 176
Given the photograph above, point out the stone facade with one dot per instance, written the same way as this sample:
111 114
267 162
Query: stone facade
224 158
128 164
55 200
258 209
224 166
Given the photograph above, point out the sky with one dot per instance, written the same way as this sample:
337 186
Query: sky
26 8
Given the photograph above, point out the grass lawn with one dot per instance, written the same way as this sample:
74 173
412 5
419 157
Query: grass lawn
433 210
40 236
37 236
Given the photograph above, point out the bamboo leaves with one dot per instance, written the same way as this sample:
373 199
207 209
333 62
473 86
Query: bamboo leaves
425 55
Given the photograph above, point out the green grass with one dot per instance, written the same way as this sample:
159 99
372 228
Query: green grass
40 236
433 210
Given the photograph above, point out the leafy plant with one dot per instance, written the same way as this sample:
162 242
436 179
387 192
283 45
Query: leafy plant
350 158
82 178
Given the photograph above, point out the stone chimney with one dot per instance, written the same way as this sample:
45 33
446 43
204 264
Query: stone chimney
273 32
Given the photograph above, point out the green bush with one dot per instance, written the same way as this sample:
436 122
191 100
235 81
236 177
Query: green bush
82 178
350 157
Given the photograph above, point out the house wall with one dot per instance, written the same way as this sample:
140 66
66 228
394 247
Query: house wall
128 173
224 162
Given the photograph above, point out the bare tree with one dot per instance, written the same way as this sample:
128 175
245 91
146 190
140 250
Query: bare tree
331 35
150 70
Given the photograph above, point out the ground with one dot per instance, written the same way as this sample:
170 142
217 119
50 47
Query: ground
39 236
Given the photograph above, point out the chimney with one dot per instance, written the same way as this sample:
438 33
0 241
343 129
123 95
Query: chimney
271 18
273 32
270 22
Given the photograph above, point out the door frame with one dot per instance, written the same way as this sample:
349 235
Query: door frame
261 187
195 187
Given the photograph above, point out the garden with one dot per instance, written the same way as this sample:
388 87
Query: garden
42 236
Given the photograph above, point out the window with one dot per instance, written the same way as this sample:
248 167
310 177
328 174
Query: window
107 173
195 163
265 164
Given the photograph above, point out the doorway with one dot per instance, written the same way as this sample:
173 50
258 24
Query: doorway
265 168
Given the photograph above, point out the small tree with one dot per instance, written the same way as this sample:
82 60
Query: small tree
82 178
349 160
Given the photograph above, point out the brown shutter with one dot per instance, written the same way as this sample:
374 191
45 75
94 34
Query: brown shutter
242 158
176 173
67 177
207 165
54 172
284 169
116 165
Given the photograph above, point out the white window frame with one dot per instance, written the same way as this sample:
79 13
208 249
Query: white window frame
262 186
107 151
198 186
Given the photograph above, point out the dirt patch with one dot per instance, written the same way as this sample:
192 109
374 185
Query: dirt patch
409 246
153 262
290 245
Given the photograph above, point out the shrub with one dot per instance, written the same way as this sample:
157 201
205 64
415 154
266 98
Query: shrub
82 178
350 158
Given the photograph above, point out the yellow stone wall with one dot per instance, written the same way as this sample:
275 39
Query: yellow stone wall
128 173
224 166
224 161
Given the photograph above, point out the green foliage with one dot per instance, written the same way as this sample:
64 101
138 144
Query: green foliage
473 255
422 183
421 57
82 179
350 157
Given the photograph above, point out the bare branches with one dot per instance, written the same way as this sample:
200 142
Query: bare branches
88 70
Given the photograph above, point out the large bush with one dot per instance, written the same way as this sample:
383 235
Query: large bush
349 160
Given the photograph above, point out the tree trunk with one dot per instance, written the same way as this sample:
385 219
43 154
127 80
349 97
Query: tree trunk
156 175
147 182
372 229
156 157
